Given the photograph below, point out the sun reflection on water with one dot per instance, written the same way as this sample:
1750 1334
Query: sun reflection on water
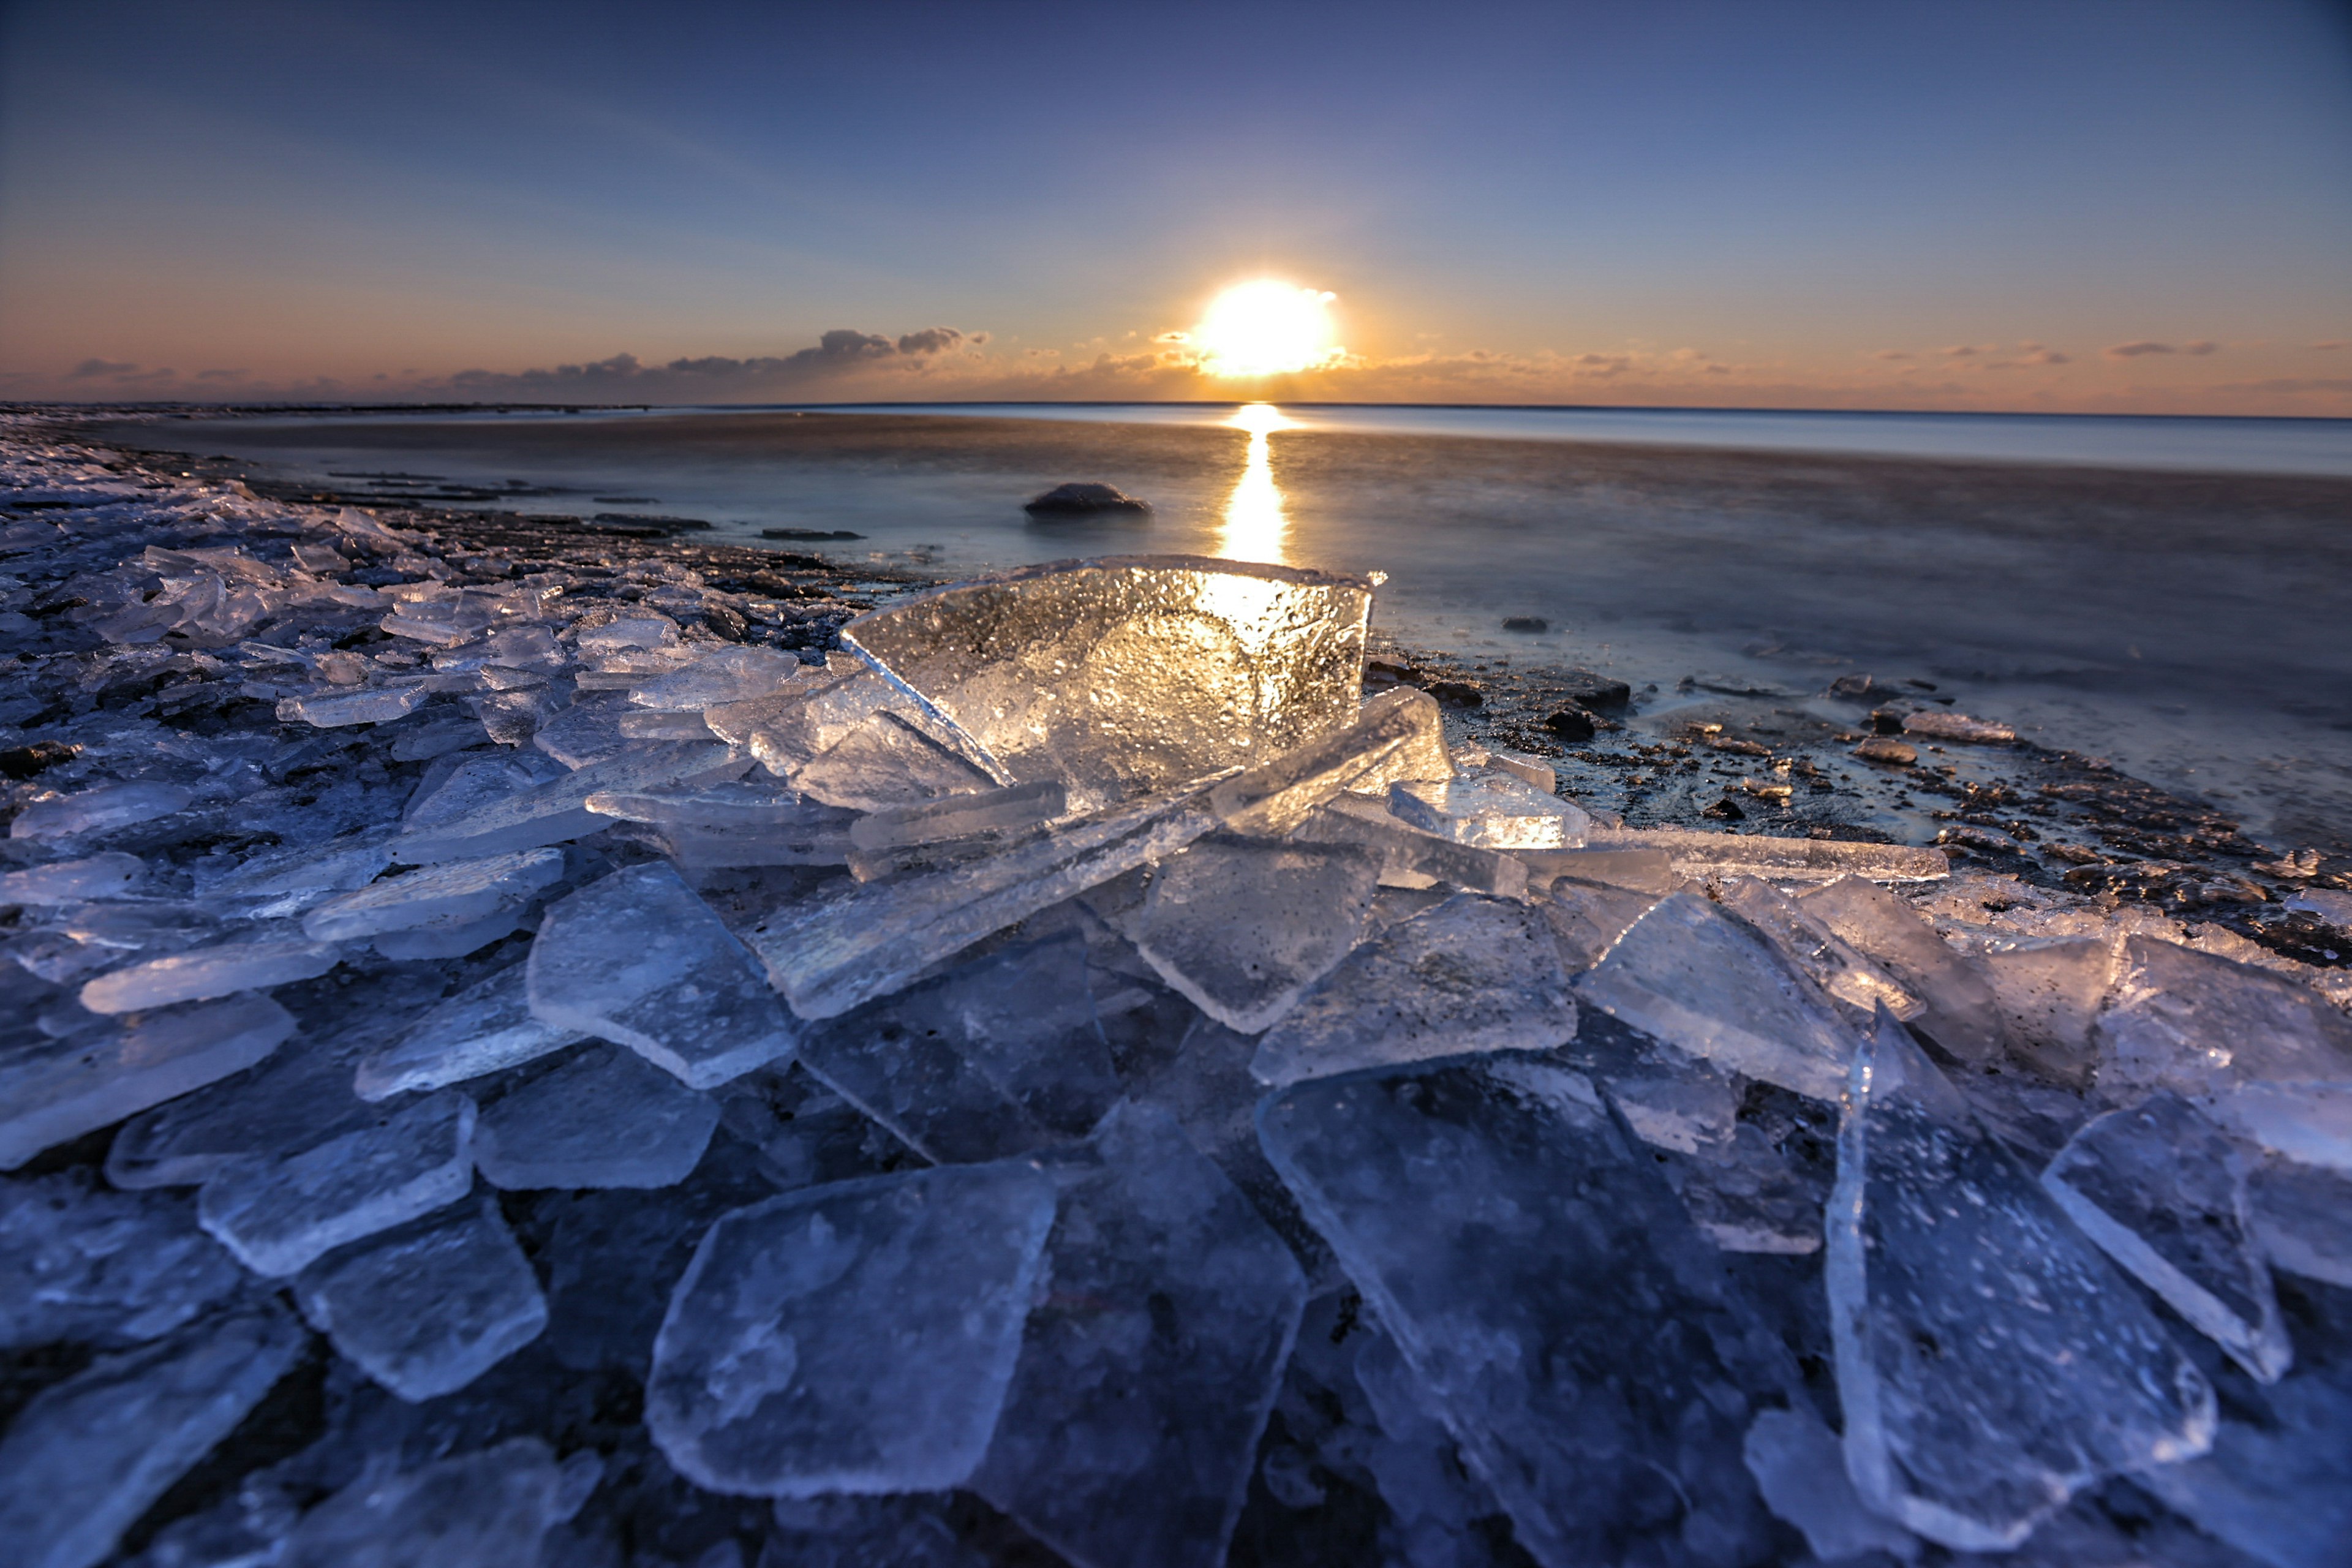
1254 524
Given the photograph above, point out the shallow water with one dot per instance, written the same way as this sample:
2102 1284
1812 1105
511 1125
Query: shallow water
2180 609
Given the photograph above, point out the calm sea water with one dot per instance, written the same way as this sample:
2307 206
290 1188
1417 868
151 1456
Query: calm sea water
2172 593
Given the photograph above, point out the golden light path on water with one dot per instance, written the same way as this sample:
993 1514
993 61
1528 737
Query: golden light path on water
1255 527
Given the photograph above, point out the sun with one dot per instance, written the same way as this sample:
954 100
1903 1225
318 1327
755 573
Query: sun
1266 328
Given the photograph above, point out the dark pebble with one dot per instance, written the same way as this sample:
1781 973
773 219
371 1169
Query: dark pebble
1387 672
1726 810
808 533
1570 724
1079 497
1457 693
1592 691
25 762
1887 748
1888 721
1526 624
1856 688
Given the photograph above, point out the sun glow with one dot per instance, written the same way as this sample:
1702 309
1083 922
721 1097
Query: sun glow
1266 328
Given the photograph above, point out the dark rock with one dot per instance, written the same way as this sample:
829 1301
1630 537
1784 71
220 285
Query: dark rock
1887 748
1526 624
1077 499
644 520
1387 672
1569 723
808 533
1457 693
727 623
25 762
1592 690
1726 810
1855 688
1888 721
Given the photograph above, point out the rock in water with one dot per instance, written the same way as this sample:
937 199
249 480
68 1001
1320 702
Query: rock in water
636 958
84 1459
606 1118
1242 926
852 1338
1132 1423
1703 980
1991 1362
1555 1306
1472 975
1080 498
2163 1192
427 1309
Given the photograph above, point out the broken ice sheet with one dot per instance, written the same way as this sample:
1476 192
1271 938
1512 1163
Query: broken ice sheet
277 1215
334 709
484 1029
1397 735
737 822
1472 974
490 1508
2280 1489
852 1338
2163 1192
1132 1422
1489 811
1698 854
556 811
1991 1362
886 762
207 972
1554 1303
2303 1218
1826 958
604 1118
1697 977
80 1264
103 876
2047 991
1588 918
1409 857
636 958
2201 1025
587 731
426 1308
1242 926
86 1457
990 811
449 893
98 809
724 675
1744 1195
1795 1460
51 1093
470 780
1958 1009
1128 675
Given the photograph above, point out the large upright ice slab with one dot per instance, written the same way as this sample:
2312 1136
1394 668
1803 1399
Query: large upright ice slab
637 959
1242 926
1132 1422
1702 980
605 1118
1991 1362
1959 1012
1555 1306
79 1264
208 973
1129 675
86 1457
1472 975
852 1338
490 1508
59 1090
485 1028
556 811
2163 1192
278 1214
428 1307
2201 1025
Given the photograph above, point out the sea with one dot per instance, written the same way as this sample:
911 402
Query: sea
2172 594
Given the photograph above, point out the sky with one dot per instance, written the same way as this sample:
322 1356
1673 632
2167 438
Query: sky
2142 207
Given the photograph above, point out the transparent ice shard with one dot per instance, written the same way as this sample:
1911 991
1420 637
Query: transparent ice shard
637 959
208 973
1958 1009
2163 1192
426 1308
2303 1218
60 1091
1587 917
490 1508
287 881
1397 735
1472 975
1685 1106
334 709
587 731
106 876
2280 1490
556 811
277 1215
300 1095
86 1457
473 783
1824 957
99 810
449 893
1991 1362
1242 926
995 811
1698 978
1409 857
725 675
789 733
80 1264
2198 1025
2047 991
1744 1195
1490 811
606 1118
2310 1124
1794 1457
1554 1304
852 1338
1648 871
885 762
1129 675
1698 854
1131 1426
911 1531
831 953
742 822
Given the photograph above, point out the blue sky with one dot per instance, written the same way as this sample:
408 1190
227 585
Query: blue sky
1594 203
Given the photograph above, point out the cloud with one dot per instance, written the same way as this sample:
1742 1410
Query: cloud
838 357
1962 351
91 367
2333 343
930 340
2034 355
2134 350
222 375
1893 353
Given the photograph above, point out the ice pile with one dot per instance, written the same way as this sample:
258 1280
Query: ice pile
500 1070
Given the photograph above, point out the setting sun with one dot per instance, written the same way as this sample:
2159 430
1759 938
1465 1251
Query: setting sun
1267 328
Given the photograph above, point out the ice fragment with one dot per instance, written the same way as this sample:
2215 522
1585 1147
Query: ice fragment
884 762
1243 926
1698 854
2200 1025
2303 1218
556 811
1491 811
449 893
1409 857
1795 1460
99 810
2282 1490
490 1509
103 876
1397 735
606 1118
80 1264
334 709
1827 959
1958 1011
208 973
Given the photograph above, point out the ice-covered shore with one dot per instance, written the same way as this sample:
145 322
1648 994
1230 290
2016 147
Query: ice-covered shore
506 1063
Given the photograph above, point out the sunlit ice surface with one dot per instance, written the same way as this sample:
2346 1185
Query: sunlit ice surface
1267 328
1254 526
